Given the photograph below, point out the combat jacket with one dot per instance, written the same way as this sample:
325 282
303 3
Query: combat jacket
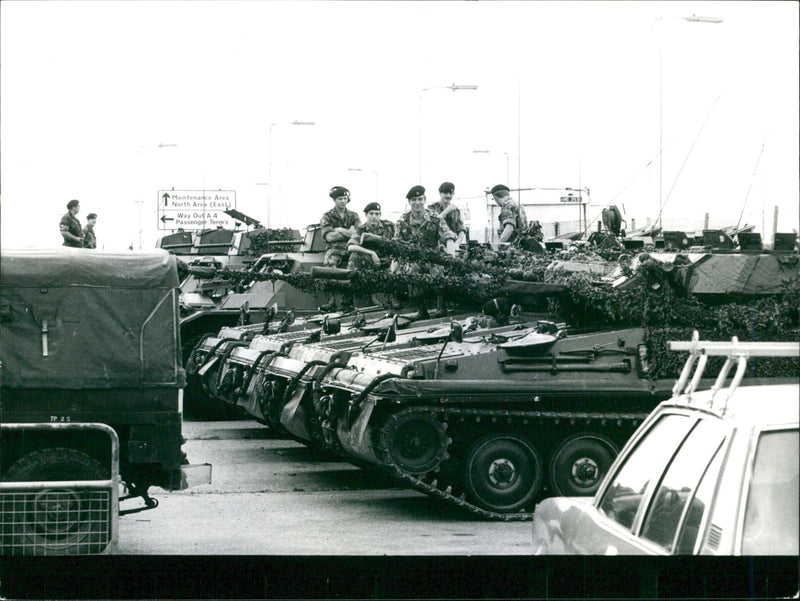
332 219
452 219
384 229
429 233
89 239
70 223
513 213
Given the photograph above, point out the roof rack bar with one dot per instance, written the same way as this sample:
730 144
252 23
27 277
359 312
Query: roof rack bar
734 350
687 367
698 373
741 367
747 349
720 381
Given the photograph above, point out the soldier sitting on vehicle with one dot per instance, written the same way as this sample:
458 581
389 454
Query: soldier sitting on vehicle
364 258
337 227
430 232
451 214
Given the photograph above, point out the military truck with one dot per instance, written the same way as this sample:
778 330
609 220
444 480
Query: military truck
92 386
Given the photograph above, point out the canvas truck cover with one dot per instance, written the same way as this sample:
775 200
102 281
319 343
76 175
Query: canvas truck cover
74 318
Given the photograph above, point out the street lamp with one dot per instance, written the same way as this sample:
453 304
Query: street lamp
508 171
455 88
375 173
147 177
269 175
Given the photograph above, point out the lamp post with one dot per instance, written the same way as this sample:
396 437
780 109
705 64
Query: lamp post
508 171
455 88
692 19
375 173
269 173
147 178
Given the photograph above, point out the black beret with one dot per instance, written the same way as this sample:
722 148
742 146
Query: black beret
373 206
447 187
338 191
73 203
416 192
500 188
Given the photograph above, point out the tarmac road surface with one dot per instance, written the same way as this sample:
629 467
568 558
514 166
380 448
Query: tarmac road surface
270 495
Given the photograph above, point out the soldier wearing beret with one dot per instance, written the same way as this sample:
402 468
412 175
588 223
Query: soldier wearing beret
429 231
70 227
513 220
89 237
365 258
337 227
451 214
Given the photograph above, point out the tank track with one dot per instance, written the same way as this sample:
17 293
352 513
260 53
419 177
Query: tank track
429 483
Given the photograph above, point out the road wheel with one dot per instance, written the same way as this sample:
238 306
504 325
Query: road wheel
59 521
578 464
503 473
415 441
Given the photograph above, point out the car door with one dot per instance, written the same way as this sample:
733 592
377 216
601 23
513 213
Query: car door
675 516
651 504
608 526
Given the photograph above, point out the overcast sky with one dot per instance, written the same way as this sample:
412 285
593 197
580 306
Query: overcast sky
110 102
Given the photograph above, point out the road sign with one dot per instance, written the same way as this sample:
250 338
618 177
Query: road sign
195 209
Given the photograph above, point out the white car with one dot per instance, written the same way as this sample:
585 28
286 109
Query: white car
712 473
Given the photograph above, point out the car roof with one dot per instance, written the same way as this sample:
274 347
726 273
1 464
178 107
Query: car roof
767 405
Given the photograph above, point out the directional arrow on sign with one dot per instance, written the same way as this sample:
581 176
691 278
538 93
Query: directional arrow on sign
164 219
166 198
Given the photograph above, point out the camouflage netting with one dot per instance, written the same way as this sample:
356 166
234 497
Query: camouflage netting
273 240
658 301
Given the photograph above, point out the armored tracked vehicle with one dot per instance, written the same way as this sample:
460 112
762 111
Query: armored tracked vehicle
209 303
493 419
244 365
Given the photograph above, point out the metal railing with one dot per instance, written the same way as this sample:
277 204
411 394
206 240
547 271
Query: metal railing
64 517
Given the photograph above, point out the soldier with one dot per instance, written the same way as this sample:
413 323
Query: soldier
89 238
337 227
70 227
430 232
450 212
364 258
513 221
